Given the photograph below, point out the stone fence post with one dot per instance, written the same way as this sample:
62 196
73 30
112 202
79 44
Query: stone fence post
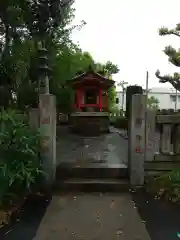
47 111
137 140
151 135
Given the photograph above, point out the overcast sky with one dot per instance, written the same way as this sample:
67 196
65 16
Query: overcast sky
126 33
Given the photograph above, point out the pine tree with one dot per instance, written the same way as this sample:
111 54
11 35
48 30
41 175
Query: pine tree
174 58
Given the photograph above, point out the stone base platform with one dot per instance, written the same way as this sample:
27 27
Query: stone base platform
90 123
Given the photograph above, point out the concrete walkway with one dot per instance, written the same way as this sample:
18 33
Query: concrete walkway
92 217
109 148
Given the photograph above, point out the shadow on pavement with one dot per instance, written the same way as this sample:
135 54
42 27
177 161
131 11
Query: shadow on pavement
162 218
25 223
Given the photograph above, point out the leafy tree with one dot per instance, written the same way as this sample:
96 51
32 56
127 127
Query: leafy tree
108 69
153 103
174 57
66 65
10 33
69 63
22 25
57 41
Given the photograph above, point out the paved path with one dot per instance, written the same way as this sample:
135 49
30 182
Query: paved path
110 148
92 217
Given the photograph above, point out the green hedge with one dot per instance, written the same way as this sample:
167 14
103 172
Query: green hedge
121 122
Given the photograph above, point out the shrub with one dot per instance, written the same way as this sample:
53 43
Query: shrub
121 122
19 159
115 113
168 185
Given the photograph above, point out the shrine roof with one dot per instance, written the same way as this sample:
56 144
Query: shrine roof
91 75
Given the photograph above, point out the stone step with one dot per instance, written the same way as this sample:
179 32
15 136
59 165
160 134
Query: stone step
101 171
92 185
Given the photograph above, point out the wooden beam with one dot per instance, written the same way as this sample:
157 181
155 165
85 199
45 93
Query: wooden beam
168 119
161 166
167 158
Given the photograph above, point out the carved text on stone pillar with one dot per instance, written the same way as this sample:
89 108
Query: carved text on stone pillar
45 120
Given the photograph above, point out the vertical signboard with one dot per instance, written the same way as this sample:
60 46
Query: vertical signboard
137 140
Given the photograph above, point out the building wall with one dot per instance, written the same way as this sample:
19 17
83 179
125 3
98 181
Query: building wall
165 96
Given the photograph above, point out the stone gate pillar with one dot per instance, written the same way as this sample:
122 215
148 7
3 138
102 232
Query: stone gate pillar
137 140
47 110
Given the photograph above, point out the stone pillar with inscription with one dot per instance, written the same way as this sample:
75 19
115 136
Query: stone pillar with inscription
47 107
137 140
47 117
150 134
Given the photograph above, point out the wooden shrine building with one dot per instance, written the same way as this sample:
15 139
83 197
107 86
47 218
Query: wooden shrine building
90 108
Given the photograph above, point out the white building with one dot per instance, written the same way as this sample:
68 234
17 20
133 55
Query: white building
166 97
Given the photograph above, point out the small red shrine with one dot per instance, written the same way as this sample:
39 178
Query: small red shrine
90 102
90 92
